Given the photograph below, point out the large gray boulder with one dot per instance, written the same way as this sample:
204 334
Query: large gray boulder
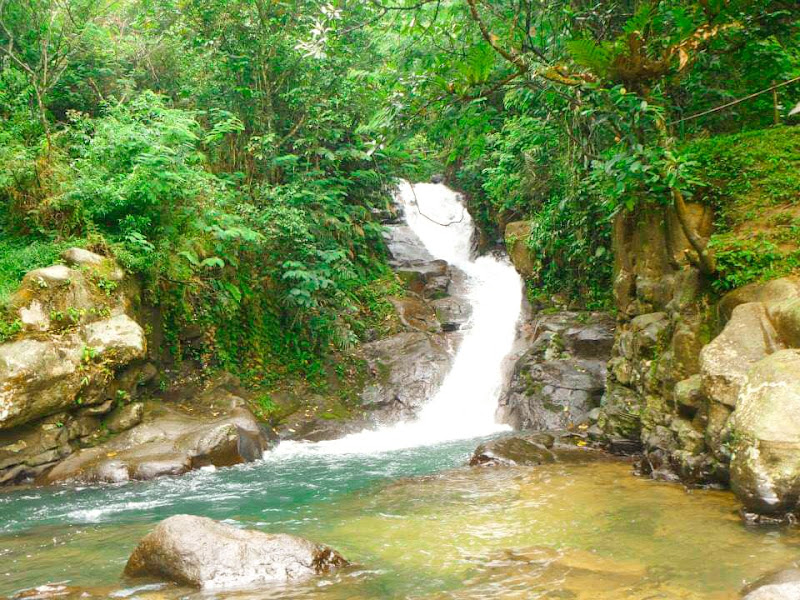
560 379
775 290
200 552
41 376
408 368
748 337
170 445
765 434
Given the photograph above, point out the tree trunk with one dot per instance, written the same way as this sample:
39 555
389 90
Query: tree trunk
707 264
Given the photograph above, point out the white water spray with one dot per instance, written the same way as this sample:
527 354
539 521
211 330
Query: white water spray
465 404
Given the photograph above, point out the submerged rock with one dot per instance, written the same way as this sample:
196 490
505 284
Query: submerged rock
170 445
204 553
783 585
531 449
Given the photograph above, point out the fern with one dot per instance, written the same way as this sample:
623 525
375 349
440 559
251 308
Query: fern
641 20
591 55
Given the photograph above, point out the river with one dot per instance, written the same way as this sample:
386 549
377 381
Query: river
403 507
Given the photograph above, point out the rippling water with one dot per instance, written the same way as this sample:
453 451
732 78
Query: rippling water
418 525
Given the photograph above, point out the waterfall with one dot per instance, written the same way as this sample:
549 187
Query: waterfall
465 404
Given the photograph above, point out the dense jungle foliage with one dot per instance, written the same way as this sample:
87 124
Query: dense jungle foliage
237 154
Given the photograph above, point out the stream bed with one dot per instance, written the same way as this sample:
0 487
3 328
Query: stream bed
417 523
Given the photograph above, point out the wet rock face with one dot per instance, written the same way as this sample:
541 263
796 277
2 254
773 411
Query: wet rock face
76 332
80 354
200 552
407 369
561 377
170 445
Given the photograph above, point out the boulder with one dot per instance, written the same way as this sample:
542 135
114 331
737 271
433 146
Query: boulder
452 312
532 449
785 317
407 370
414 313
169 445
765 461
404 245
783 585
428 278
689 394
39 377
204 553
561 377
125 417
775 290
516 237
748 337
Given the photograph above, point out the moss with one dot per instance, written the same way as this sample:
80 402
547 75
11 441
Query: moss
20 255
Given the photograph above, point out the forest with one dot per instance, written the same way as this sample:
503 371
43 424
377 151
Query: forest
236 154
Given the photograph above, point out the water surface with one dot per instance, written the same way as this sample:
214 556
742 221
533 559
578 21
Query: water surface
419 525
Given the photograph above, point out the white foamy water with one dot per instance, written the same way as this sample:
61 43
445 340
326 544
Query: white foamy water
465 404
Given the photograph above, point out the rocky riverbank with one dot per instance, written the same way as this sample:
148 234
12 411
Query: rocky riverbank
704 385
88 394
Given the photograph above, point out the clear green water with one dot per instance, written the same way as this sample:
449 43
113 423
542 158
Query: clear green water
418 525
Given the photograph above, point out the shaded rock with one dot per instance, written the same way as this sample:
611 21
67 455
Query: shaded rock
765 461
125 417
99 409
620 416
27 451
783 585
407 370
200 552
416 314
689 394
516 237
170 445
428 278
785 317
452 312
592 340
747 338
647 333
82 426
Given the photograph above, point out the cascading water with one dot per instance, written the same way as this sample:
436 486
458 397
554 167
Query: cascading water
465 404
